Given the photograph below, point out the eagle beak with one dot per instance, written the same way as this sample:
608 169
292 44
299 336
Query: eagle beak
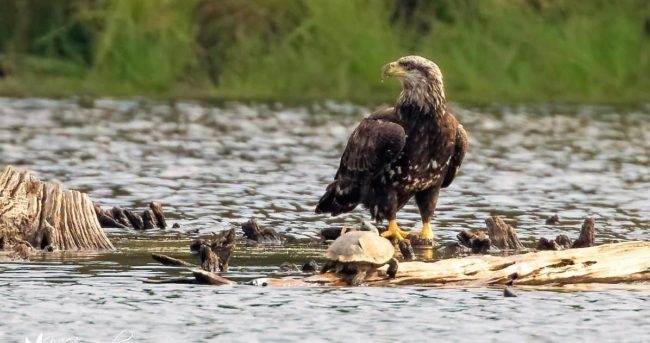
392 69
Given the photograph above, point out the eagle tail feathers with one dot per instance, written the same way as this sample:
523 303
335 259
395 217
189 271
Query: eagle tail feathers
340 197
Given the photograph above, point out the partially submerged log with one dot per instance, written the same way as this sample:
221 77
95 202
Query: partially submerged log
117 217
553 220
587 238
587 234
213 255
209 260
170 261
255 233
502 235
45 215
209 278
106 219
477 241
159 216
609 263
223 245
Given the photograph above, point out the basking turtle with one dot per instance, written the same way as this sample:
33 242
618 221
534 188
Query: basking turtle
359 253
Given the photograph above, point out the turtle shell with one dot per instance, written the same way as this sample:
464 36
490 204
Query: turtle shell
361 246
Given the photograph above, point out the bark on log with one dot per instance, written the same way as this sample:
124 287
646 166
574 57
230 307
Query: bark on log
626 262
223 245
587 234
477 241
209 278
502 235
158 214
45 215
170 261
255 233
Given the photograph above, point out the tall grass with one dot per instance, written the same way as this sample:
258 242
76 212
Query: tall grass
144 44
489 51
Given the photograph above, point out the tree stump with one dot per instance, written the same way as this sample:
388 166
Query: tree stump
43 214
255 233
502 235
587 234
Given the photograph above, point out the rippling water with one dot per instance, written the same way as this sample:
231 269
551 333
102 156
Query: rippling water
215 166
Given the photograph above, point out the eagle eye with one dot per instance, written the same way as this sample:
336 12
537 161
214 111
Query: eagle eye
406 65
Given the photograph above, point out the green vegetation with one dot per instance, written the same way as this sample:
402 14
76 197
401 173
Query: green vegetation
489 51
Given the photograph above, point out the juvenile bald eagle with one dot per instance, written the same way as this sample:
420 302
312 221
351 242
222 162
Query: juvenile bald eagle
412 149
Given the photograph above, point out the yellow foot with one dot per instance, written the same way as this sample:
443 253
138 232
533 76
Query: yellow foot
423 239
427 233
394 231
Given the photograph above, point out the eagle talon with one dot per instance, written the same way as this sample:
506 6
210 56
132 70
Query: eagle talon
394 231
427 233
424 238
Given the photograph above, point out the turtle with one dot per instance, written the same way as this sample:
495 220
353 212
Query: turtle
358 254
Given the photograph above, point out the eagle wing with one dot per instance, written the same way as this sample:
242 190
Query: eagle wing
376 142
461 146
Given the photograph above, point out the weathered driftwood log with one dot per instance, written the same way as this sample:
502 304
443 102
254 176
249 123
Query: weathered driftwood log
45 215
204 276
626 262
213 255
209 278
170 261
502 235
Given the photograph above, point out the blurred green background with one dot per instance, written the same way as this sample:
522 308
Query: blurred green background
304 50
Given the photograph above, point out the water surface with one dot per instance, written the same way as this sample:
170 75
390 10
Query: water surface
215 166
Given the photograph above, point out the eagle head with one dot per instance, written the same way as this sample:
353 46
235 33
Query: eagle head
421 81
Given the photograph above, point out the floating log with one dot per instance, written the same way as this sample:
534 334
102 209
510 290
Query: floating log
45 215
170 261
626 262
209 278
